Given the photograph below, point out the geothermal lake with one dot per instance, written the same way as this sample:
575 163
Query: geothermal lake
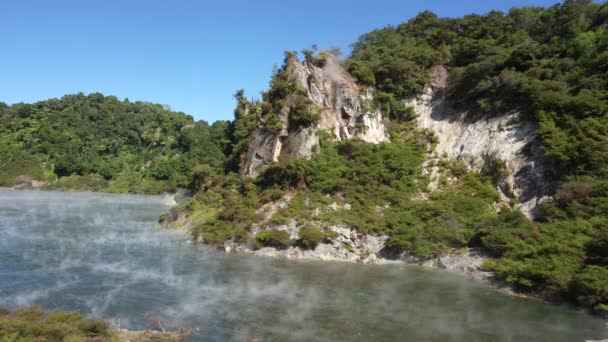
102 254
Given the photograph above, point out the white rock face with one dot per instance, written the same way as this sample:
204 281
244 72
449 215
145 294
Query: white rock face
476 140
467 262
349 245
337 96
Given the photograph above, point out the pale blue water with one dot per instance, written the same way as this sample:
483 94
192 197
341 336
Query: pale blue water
102 254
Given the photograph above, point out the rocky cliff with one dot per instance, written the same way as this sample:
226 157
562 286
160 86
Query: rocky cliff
345 111
501 140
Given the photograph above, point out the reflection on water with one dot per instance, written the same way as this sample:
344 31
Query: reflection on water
102 255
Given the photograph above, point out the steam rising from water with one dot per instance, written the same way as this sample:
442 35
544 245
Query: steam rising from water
102 255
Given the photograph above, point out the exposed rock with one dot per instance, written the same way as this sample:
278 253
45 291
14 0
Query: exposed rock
264 148
27 182
479 139
349 245
269 209
337 96
37 184
169 200
353 246
467 262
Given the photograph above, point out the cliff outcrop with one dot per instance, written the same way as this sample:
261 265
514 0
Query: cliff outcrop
345 111
504 143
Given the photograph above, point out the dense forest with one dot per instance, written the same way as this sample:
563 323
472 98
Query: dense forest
550 64
96 142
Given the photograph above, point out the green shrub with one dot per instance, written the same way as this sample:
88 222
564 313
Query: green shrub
310 236
33 324
82 183
394 108
574 191
215 232
506 232
303 112
273 238
361 71
590 286
278 219
308 55
597 248
163 169
273 123
274 193
13 171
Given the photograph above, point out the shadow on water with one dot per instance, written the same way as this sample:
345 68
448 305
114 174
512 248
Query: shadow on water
101 254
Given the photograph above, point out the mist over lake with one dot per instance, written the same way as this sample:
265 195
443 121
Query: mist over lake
103 255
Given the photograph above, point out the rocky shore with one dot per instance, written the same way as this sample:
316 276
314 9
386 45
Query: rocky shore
367 249
352 246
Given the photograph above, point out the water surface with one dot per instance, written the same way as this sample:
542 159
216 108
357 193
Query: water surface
102 254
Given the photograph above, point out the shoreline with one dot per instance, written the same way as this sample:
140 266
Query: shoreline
465 263
454 263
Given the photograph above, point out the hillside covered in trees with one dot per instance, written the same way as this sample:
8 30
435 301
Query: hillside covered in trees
96 142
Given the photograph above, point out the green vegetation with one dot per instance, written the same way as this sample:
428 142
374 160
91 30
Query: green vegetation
274 238
373 188
21 168
32 324
311 236
550 64
286 96
91 182
96 142
547 62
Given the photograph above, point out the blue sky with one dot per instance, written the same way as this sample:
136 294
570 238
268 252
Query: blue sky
191 55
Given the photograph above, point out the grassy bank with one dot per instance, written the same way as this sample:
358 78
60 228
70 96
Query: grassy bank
36 325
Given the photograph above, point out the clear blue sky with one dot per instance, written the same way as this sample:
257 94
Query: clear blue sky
191 55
